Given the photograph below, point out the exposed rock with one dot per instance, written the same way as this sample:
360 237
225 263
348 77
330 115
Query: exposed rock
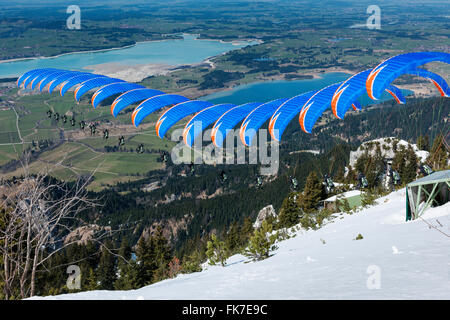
263 214
169 227
83 235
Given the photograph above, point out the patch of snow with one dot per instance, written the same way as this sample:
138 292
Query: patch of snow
411 257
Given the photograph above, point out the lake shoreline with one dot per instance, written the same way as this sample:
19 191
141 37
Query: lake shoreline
233 42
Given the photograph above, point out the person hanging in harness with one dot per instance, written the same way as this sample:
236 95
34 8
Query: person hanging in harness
259 182
223 176
140 149
362 181
72 122
64 119
49 113
396 177
121 141
425 169
105 134
92 126
328 182
56 116
191 168
164 157
294 183
82 125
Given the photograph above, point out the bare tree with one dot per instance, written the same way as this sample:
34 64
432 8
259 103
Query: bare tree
37 212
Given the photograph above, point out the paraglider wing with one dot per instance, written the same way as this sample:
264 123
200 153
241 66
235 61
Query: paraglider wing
356 105
284 114
178 112
131 97
62 78
230 119
37 80
256 119
203 119
50 78
112 89
93 83
396 93
349 90
26 75
386 72
152 104
77 80
33 75
434 78
315 106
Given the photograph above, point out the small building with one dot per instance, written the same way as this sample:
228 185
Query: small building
353 197
431 190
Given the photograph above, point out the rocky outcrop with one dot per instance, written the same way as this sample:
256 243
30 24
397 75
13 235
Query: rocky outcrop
263 214
84 234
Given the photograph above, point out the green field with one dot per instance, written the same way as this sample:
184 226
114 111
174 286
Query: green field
77 152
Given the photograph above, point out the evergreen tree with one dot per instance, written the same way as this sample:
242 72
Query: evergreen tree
410 170
246 231
423 142
232 239
153 256
127 277
312 193
399 161
90 282
216 251
192 262
439 156
262 243
290 211
163 255
106 272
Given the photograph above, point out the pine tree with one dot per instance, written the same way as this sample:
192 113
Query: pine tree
246 231
127 278
423 142
439 156
232 239
410 170
216 251
163 256
399 161
312 193
262 243
192 262
90 282
154 255
106 273
290 211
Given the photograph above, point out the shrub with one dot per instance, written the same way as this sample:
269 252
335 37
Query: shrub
216 251
262 242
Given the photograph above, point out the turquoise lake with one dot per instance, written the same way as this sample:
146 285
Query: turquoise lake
173 52
271 90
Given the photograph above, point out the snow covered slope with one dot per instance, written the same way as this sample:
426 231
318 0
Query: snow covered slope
409 260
